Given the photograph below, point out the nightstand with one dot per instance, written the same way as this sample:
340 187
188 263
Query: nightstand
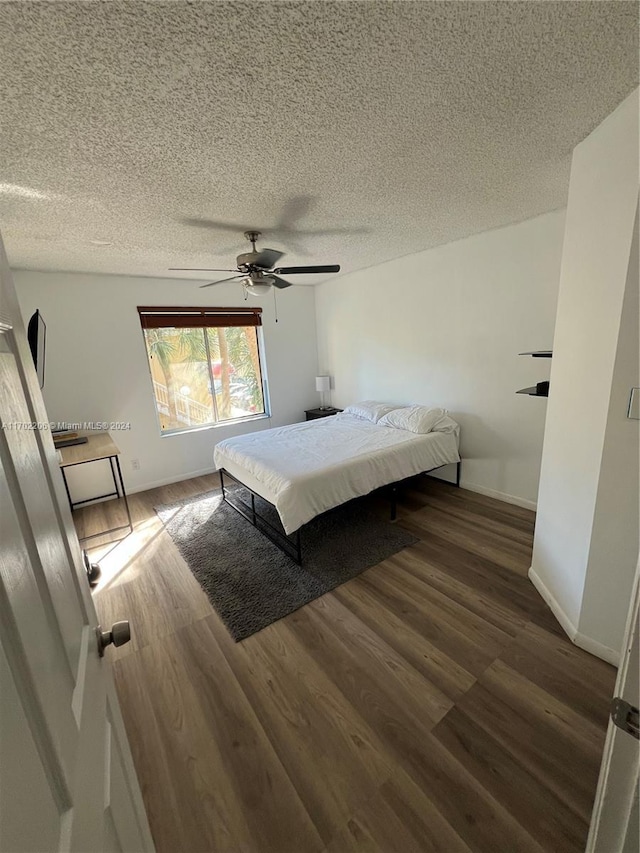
312 414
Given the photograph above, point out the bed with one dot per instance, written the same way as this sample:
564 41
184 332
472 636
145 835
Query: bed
308 468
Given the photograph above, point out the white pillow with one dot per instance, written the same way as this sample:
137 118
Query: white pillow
370 410
419 419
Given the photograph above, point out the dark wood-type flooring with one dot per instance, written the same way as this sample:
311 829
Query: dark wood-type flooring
430 704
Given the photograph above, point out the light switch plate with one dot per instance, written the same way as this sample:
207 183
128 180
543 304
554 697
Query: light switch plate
634 405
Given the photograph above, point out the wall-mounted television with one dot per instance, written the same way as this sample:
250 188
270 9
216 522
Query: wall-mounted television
36 335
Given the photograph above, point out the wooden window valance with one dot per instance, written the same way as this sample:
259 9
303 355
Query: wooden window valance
157 317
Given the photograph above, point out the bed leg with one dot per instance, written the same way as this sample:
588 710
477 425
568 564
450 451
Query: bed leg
222 484
458 465
394 502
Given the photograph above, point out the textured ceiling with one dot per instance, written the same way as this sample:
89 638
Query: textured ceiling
348 132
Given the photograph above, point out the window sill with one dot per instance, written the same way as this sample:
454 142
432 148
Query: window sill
233 423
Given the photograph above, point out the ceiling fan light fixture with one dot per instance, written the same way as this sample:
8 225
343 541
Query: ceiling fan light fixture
257 288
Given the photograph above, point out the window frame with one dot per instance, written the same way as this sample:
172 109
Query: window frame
169 317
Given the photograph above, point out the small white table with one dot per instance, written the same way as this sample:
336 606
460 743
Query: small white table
99 446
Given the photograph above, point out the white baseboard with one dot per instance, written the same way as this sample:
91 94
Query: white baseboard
598 649
167 481
501 496
473 487
578 639
567 625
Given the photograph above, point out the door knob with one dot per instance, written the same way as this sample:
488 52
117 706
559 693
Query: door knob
119 634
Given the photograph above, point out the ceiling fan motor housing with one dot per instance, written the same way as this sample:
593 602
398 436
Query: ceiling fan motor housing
247 259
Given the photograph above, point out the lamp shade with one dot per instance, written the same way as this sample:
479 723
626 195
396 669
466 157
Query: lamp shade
323 383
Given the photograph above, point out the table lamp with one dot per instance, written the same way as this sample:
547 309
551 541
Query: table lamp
323 384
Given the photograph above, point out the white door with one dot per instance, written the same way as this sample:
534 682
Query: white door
615 821
67 780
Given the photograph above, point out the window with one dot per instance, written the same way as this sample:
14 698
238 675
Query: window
205 364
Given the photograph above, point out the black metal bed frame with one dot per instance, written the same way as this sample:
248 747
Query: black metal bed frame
292 547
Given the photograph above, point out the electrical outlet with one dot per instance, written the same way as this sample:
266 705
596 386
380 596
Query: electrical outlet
135 464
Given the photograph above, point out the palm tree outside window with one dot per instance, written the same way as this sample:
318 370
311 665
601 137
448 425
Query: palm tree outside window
206 365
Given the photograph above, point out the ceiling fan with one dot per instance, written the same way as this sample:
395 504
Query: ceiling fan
257 271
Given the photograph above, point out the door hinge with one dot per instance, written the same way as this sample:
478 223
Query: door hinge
625 717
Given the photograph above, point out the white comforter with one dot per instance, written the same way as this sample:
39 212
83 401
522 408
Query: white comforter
305 469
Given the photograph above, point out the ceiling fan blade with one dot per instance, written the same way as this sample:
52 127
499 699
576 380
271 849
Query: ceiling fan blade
267 258
280 282
323 232
222 280
293 209
296 270
216 224
197 269
287 239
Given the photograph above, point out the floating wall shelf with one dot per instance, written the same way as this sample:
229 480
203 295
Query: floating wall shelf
533 392
536 391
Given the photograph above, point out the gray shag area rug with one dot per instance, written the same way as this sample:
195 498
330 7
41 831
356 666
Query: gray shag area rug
249 581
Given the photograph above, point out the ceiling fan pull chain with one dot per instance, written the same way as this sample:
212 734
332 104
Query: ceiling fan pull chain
275 303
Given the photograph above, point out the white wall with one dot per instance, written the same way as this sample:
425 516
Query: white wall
614 541
587 403
445 326
97 368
